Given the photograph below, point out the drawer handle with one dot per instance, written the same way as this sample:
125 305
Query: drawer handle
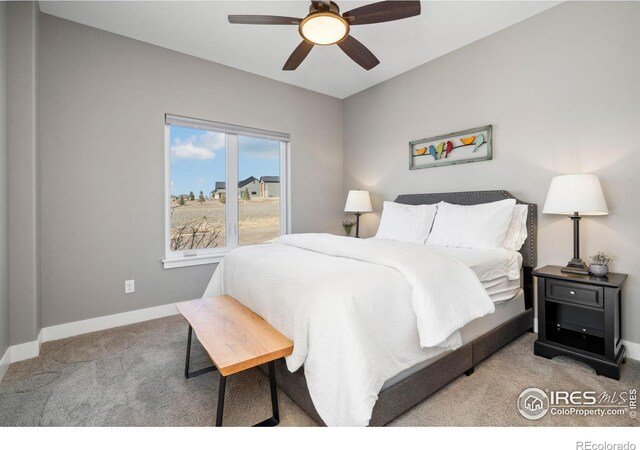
572 292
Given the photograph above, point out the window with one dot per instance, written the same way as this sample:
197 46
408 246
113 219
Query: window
226 186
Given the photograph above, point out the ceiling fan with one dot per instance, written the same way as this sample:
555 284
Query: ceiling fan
325 26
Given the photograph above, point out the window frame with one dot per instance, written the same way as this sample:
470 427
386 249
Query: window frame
175 259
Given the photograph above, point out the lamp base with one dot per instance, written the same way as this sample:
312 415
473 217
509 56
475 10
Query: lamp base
576 265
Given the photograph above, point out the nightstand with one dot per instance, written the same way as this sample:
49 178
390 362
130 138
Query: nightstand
579 316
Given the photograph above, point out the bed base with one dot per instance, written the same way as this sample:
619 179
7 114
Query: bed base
404 395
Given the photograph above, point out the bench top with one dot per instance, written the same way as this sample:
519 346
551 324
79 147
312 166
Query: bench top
234 337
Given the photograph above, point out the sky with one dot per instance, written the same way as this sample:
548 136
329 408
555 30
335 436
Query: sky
198 159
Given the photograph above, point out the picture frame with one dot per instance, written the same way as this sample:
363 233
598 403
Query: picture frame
475 144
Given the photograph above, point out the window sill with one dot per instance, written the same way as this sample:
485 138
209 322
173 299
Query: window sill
187 261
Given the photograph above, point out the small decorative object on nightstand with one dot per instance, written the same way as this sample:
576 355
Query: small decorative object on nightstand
574 195
358 202
347 225
599 264
579 316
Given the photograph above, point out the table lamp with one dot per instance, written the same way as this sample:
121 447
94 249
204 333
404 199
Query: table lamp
575 195
358 202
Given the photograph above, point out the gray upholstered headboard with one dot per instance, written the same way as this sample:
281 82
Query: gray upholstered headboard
528 250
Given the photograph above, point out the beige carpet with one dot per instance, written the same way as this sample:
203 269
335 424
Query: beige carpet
133 376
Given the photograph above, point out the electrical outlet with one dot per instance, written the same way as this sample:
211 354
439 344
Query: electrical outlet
129 286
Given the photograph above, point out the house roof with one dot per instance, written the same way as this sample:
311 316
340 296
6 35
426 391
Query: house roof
241 184
270 179
249 180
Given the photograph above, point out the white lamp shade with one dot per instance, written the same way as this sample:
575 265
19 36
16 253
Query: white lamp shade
575 193
358 201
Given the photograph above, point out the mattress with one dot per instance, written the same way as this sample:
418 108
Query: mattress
505 311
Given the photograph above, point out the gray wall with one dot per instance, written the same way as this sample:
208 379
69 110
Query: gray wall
560 89
562 92
4 290
102 100
22 113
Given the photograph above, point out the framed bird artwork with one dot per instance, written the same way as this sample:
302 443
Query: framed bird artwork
454 148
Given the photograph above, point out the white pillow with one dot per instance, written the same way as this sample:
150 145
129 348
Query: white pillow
407 223
474 226
517 232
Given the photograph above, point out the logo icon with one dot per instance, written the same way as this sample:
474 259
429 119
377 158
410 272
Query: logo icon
533 404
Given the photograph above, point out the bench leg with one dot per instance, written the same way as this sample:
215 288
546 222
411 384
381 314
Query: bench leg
271 421
275 419
221 389
274 392
195 373
186 365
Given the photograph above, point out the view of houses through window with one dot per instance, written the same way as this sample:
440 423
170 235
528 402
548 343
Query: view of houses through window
199 204
259 190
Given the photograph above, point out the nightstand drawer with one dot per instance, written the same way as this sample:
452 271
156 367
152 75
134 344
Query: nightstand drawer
582 294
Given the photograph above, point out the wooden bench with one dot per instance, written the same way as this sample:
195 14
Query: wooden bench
236 339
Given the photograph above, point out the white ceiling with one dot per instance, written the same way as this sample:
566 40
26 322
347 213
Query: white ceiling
201 29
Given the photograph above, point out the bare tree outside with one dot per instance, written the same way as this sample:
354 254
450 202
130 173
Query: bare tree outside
194 233
258 220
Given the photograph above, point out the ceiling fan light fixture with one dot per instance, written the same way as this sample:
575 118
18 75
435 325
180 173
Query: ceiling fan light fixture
324 28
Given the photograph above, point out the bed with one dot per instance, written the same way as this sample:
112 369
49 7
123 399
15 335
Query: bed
351 306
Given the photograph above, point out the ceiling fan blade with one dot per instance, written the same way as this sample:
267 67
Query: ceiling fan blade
264 20
382 12
358 52
298 55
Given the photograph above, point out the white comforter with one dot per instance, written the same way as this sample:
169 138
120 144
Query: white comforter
359 311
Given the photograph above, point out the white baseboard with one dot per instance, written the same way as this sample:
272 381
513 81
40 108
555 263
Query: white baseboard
66 330
4 363
28 350
633 350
